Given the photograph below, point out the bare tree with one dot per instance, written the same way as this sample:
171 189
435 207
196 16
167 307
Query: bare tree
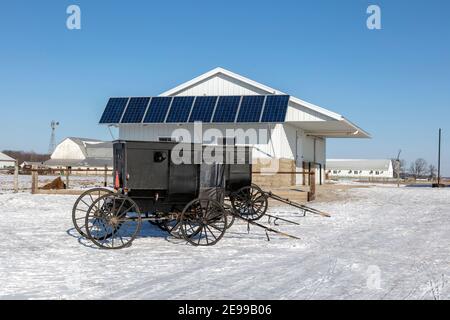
432 172
418 168
399 167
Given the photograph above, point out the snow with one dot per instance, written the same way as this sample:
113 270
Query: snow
382 242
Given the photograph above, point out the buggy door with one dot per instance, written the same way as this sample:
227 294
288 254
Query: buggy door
148 169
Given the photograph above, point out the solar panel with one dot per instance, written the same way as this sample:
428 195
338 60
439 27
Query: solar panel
180 109
114 110
226 109
275 108
222 109
157 110
203 109
135 110
250 110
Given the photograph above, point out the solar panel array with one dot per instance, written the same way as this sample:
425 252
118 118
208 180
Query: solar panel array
180 109
135 110
227 108
207 109
275 109
250 110
203 109
157 109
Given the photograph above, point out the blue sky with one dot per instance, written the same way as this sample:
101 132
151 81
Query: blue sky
394 82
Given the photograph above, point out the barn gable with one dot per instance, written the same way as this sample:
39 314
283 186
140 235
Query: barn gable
312 119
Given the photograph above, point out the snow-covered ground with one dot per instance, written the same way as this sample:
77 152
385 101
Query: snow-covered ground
381 243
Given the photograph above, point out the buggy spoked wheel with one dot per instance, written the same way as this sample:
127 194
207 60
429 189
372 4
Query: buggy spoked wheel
82 205
113 221
203 222
250 203
172 226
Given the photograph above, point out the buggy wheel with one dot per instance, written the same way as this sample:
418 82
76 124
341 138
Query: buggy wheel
250 203
82 205
203 222
172 226
113 221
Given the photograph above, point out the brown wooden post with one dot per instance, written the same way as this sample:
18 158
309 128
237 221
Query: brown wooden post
106 176
303 173
34 179
67 177
309 173
312 186
16 177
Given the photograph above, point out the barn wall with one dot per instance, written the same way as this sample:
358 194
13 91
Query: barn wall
7 164
222 85
283 144
280 145
68 150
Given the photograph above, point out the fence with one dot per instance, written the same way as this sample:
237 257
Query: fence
66 173
15 171
311 173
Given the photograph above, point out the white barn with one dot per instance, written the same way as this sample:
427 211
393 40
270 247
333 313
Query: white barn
81 153
6 161
360 168
301 138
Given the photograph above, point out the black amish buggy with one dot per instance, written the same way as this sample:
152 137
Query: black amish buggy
191 191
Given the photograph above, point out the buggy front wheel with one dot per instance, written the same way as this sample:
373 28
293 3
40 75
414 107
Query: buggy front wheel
113 221
82 205
250 203
203 222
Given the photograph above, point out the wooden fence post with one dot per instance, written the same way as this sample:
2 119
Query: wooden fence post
303 173
312 185
34 179
16 177
67 177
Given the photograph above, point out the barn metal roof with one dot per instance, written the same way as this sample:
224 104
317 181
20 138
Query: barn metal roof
4 157
358 164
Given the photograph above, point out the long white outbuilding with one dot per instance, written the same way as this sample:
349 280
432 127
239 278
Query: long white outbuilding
300 138
6 161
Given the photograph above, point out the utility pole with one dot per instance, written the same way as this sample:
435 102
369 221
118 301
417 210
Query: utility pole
439 158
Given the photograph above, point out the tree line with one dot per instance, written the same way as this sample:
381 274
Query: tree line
418 169
22 156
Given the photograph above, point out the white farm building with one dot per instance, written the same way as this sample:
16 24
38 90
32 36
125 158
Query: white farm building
298 137
81 153
360 168
6 161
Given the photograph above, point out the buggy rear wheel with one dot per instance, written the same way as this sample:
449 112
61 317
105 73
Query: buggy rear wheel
113 221
250 203
82 205
203 222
